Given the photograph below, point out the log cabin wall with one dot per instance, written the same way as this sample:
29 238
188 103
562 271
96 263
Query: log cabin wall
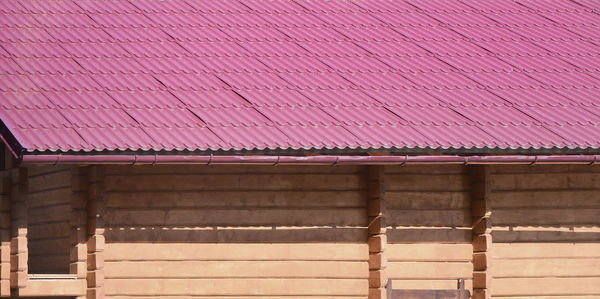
428 219
49 210
268 232
546 231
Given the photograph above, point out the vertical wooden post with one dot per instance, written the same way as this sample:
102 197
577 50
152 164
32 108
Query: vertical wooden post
481 213
78 222
95 245
377 238
19 258
5 236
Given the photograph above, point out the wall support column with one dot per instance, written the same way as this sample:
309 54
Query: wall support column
95 243
377 238
5 235
78 220
18 244
481 212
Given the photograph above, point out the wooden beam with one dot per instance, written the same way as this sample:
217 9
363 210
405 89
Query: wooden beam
78 223
95 230
5 235
481 213
19 258
377 238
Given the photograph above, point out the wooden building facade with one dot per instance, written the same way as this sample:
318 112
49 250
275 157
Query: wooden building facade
247 231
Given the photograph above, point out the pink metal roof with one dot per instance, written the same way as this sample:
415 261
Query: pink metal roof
293 75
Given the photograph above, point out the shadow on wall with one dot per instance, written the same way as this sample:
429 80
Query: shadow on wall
235 204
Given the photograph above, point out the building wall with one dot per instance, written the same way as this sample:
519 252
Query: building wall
49 209
235 231
546 231
428 219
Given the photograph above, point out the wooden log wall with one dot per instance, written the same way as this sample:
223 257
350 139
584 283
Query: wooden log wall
429 226
546 231
240 232
49 214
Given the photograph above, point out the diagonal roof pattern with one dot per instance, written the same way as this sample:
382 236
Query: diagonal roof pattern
300 75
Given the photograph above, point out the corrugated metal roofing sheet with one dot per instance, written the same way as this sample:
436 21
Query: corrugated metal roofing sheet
256 75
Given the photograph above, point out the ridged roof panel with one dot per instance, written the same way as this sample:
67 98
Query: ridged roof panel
300 75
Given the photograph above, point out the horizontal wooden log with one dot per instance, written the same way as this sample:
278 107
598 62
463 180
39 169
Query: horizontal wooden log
39 170
49 246
230 169
238 252
546 250
429 252
550 286
246 199
50 287
50 197
424 182
48 230
50 181
545 199
49 214
291 287
429 235
546 217
234 182
425 169
429 284
239 269
427 199
542 235
237 297
237 217
237 234
429 270
537 181
439 218
547 267
517 169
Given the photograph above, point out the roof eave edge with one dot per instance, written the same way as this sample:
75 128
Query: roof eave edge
307 160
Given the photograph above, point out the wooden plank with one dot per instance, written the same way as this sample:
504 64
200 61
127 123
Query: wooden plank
50 181
427 199
429 284
236 286
53 287
230 169
545 250
562 267
546 286
429 252
50 197
424 182
448 218
545 236
545 199
48 230
237 252
510 169
429 270
237 297
429 235
552 217
247 199
50 213
536 181
424 169
238 234
234 182
235 217
239 269
38 170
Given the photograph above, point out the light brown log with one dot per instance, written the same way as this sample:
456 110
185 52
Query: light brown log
236 269
429 252
429 270
236 287
546 286
232 251
547 267
546 250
